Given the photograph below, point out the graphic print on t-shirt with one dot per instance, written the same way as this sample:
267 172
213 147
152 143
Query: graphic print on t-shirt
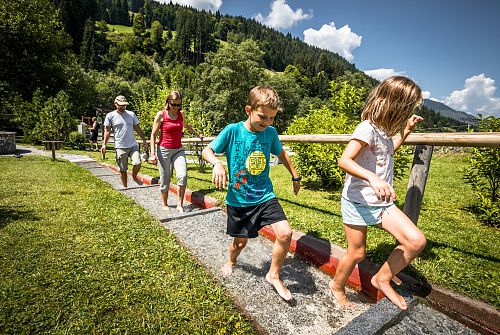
250 163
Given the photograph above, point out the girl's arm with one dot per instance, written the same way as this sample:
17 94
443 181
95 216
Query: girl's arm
383 190
285 160
410 125
152 140
192 131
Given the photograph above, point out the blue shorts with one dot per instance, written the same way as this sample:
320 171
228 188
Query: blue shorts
357 214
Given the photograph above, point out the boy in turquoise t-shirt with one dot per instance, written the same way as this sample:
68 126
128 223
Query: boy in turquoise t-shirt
251 202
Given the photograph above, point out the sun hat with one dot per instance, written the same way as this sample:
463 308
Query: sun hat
121 101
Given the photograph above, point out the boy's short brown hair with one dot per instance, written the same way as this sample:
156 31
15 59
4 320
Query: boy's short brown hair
264 95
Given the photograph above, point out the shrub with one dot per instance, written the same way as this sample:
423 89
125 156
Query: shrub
76 137
483 174
318 161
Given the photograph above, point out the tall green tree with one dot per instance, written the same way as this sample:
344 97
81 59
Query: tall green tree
74 14
34 48
139 25
221 91
157 35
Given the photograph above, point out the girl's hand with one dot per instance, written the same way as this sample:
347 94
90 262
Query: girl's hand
219 178
412 122
383 190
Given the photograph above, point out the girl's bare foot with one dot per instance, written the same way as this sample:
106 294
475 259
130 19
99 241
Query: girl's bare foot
279 287
389 292
165 207
180 208
340 296
227 269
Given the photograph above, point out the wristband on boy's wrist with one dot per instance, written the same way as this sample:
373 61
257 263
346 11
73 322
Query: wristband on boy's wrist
216 162
299 178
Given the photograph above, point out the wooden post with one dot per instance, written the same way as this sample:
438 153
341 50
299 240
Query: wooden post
416 184
53 147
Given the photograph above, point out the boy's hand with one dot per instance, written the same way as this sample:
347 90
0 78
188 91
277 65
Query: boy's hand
412 122
219 178
383 190
296 187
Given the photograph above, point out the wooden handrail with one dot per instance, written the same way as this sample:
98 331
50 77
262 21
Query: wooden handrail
491 139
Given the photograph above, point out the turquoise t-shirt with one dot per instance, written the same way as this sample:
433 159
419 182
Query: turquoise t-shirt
248 156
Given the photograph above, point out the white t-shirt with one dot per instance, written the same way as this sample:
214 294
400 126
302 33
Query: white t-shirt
378 157
123 126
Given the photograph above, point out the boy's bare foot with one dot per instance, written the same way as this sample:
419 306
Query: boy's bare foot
340 296
180 208
279 287
227 269
389 292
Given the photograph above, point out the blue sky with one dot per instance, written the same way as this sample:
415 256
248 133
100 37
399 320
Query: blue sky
450 48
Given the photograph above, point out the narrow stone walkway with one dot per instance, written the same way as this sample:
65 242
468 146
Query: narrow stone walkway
202 231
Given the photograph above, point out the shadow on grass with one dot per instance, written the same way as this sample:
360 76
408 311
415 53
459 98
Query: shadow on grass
12 214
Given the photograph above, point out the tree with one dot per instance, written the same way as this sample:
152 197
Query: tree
225 79
74 14
56 122
157 35
139 26
88 54
34 49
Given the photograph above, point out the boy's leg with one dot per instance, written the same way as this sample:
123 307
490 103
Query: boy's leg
237 244
356 248
123 177
281 246
121 158
412 242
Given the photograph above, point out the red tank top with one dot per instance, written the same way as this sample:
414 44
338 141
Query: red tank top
171 131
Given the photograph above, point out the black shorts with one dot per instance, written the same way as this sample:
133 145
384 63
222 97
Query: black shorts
247 221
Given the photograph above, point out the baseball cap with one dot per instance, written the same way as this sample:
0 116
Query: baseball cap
121 100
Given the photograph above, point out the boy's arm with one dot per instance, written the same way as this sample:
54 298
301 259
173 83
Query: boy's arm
219 178
285 160
410 125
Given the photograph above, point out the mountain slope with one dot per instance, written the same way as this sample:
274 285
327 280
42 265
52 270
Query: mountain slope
447 111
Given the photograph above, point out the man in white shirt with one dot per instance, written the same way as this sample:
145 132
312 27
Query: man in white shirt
124 122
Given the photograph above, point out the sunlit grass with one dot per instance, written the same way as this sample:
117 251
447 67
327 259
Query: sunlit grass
76 256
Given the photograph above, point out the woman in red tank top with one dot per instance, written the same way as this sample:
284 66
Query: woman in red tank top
168 152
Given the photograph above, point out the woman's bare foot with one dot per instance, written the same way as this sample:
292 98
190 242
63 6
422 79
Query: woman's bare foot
340 296
279 287
227 269
180 208
165 207
389 292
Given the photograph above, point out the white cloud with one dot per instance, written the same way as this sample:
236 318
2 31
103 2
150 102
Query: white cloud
476 97
282 16
212 5
382 74
342 41
426 94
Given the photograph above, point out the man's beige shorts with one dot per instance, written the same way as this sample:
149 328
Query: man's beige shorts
122 155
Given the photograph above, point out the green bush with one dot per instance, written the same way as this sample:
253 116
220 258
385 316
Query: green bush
483 174
76 137
318 161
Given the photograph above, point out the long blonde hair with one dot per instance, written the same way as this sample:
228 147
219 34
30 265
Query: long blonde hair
391 103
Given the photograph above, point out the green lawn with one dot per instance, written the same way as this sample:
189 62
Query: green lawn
461 254
78 257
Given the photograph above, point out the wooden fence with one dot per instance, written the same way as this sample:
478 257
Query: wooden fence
424 143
